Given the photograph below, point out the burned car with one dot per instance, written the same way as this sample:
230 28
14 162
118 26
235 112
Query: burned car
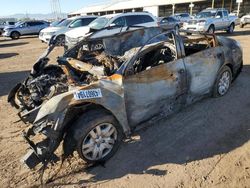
138 75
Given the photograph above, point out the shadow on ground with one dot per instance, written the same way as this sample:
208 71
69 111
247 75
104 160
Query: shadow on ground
8 55
214 126
9 79
13 44
235 33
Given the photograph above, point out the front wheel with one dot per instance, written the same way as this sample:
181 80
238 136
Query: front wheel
223 82
60 41
211 29
98 136
15 35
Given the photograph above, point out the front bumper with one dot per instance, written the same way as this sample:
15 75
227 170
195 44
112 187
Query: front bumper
45 37
195 27
43 151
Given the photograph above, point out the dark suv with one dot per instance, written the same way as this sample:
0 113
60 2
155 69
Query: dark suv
25 28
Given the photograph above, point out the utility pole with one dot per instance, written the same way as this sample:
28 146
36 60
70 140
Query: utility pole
212 3
56 8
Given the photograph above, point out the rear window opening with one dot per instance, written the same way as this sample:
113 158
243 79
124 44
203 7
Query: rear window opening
194 44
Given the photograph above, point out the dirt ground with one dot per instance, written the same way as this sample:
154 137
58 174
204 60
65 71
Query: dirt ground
205 145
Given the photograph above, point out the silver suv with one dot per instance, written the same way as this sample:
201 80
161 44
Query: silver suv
25 28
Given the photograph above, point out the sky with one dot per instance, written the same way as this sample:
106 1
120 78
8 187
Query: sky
10 7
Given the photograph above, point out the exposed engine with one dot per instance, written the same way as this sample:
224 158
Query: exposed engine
40 89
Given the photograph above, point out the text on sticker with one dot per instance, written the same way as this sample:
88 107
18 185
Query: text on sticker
88 94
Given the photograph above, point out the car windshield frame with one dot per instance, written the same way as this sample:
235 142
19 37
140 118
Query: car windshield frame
206 14
99 23
64 23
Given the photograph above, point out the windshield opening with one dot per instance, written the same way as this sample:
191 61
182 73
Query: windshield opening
99 23
64 23
205 14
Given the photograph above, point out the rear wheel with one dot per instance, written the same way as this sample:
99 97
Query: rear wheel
15 35
98 136
223 82
231 28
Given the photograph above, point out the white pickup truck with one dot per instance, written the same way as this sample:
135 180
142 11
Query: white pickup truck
211 20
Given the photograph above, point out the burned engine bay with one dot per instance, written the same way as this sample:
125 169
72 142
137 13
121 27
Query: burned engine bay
81 66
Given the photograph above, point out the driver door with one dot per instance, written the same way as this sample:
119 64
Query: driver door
159 89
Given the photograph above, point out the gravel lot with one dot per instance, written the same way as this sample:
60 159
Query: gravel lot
205 145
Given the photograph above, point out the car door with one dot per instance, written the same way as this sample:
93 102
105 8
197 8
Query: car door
155 90
24 28
202 67
218 20
166 23
226 21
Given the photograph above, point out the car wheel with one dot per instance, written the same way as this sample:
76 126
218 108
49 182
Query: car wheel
60 41
211 29
231 28
15 35
98 136
223 82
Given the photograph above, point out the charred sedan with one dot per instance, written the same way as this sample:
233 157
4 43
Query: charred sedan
139 74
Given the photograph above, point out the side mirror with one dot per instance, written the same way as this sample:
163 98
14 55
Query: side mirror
112 25
217 16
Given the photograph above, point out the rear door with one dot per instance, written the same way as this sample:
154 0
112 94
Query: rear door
202 64
226 21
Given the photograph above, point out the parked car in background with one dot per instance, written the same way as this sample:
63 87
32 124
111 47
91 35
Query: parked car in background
111 24
66 25
182 17
25 28
169 23
245 20
6 24
211 20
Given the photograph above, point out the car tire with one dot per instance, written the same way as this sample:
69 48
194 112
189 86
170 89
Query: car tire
60 40
211 29
15 35
176 29
223 82
89 134
231 28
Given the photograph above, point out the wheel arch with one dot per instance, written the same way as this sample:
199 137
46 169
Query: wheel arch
78 110
16 32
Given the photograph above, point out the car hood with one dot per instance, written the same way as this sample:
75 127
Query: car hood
9 27
52 29
78 32
195 20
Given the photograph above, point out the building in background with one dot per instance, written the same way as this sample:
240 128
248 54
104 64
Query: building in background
160 7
